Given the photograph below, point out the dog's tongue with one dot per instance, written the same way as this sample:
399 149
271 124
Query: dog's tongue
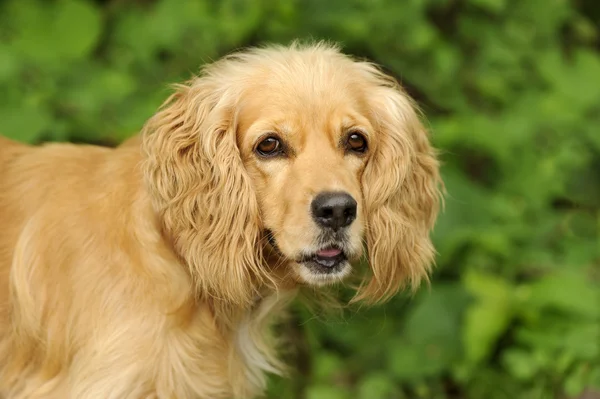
329 253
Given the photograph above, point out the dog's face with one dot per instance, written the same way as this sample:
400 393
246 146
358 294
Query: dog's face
305 149
299 152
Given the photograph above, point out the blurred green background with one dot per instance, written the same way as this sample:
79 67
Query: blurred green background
511 89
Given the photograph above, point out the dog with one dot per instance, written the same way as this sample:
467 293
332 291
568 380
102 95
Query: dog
155 269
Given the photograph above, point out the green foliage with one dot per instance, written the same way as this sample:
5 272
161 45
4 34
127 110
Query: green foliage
511 89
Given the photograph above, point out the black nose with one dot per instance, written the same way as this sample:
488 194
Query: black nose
334 210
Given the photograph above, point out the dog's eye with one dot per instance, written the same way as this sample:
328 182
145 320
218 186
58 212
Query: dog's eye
269 147
357 142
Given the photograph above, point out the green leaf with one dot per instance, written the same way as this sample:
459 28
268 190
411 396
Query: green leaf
431 342
568 291
495 6
520 363
76 28
55 32
326 392
411 362
488 287
376 386
9 63
485 322
24 123
577 381
488 317
326 365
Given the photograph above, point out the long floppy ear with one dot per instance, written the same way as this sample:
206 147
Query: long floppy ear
201 191
401 186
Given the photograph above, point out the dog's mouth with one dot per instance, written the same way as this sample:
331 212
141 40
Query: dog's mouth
327 257
329 263
328 260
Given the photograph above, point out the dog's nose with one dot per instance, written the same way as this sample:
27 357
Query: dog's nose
334 209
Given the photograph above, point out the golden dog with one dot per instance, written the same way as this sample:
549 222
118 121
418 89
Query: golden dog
152 270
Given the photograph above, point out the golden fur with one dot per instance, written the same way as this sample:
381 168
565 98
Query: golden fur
145 271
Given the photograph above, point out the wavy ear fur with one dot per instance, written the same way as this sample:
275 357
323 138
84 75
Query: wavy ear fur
401 191
194 173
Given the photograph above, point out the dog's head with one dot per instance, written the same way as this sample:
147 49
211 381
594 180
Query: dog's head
287 164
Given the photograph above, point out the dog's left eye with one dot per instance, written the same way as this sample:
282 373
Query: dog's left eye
356 142
269 147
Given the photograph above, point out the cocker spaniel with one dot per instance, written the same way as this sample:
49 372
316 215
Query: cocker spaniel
153 270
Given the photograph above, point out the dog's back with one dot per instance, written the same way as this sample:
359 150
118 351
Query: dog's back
51 179
56 201
47 182
9 151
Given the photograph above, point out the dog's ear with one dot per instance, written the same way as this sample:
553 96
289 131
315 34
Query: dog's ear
401 188
199 187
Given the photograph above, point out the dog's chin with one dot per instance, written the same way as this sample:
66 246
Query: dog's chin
314 274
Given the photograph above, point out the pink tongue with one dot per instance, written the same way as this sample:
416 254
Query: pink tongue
329 253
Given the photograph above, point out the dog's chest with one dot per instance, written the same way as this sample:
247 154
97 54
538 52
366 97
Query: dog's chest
204 361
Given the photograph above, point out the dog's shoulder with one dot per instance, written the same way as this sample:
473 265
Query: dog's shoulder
9 149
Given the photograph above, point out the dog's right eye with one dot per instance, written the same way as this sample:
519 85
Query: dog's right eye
269 147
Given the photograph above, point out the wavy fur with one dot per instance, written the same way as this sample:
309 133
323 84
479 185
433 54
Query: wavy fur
401 189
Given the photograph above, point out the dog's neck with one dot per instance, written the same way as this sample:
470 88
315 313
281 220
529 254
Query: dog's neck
253 347
249 327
